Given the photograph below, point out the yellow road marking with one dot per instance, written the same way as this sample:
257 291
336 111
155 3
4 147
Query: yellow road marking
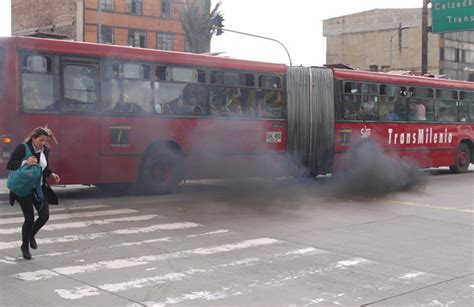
406 203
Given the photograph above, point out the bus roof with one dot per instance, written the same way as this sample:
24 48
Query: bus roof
140 54
381 77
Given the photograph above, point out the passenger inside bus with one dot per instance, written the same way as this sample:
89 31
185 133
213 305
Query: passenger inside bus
221 100
417 110
446 114
420 111
35 99
368 108
387 110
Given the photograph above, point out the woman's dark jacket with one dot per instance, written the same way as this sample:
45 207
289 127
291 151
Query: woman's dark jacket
17 157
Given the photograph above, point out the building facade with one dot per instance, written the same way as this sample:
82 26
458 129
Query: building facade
154 24
390 39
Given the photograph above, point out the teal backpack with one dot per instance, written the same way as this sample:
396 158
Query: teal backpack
23 180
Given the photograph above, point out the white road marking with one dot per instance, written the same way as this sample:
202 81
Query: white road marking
351 262
8 260
80 292
136 283
85 223
406 203
92 236
209 233
19 260
71 215
411 275
240 289
130 262
306 251
167 239
19 214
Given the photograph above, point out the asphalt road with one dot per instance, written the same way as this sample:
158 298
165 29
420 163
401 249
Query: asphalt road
247 243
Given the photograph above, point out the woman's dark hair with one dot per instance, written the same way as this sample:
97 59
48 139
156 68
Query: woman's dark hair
39 131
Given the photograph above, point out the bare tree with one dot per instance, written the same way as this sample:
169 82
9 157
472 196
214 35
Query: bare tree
199 25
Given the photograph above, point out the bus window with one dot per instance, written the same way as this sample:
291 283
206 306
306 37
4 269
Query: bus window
401 108
1 74
360 101
274 104
129 90
420 104
389 107
179 74
37 83
466 112
369 102
223 101
269 82
179 91
80 88
446 106
351 100
249 80
232 78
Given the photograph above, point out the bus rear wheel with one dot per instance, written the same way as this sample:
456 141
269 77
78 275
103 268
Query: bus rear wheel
162 171
463 159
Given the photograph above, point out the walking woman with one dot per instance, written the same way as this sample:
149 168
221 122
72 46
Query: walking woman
37 141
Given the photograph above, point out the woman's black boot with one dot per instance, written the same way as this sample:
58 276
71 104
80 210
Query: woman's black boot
33 244
25 251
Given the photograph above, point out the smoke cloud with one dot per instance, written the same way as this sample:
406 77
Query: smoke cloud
372 173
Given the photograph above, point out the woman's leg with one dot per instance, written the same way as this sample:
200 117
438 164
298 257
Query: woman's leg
43 217
26 204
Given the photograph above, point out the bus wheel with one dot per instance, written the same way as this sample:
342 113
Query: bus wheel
463 159
161 172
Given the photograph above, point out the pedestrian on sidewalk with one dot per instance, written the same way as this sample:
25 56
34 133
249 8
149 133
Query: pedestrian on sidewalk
40 197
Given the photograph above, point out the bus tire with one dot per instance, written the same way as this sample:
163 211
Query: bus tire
161 171
463 159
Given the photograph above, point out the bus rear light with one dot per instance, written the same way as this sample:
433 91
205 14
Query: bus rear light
6 140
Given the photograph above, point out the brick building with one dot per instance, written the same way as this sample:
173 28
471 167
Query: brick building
154 24
390 39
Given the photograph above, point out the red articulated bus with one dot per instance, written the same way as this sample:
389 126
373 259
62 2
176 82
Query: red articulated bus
430 121
153 118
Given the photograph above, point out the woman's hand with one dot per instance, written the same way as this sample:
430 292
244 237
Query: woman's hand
31 160
55 177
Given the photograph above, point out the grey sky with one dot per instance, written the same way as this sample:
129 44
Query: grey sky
297 24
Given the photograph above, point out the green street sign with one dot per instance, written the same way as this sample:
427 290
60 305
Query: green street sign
452 15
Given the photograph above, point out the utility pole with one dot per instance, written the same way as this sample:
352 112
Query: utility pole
424 37
221 30
399 33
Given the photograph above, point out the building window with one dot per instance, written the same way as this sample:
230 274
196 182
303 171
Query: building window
164 41
137 38
134 7
166 9
107 5
459 55
106 35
